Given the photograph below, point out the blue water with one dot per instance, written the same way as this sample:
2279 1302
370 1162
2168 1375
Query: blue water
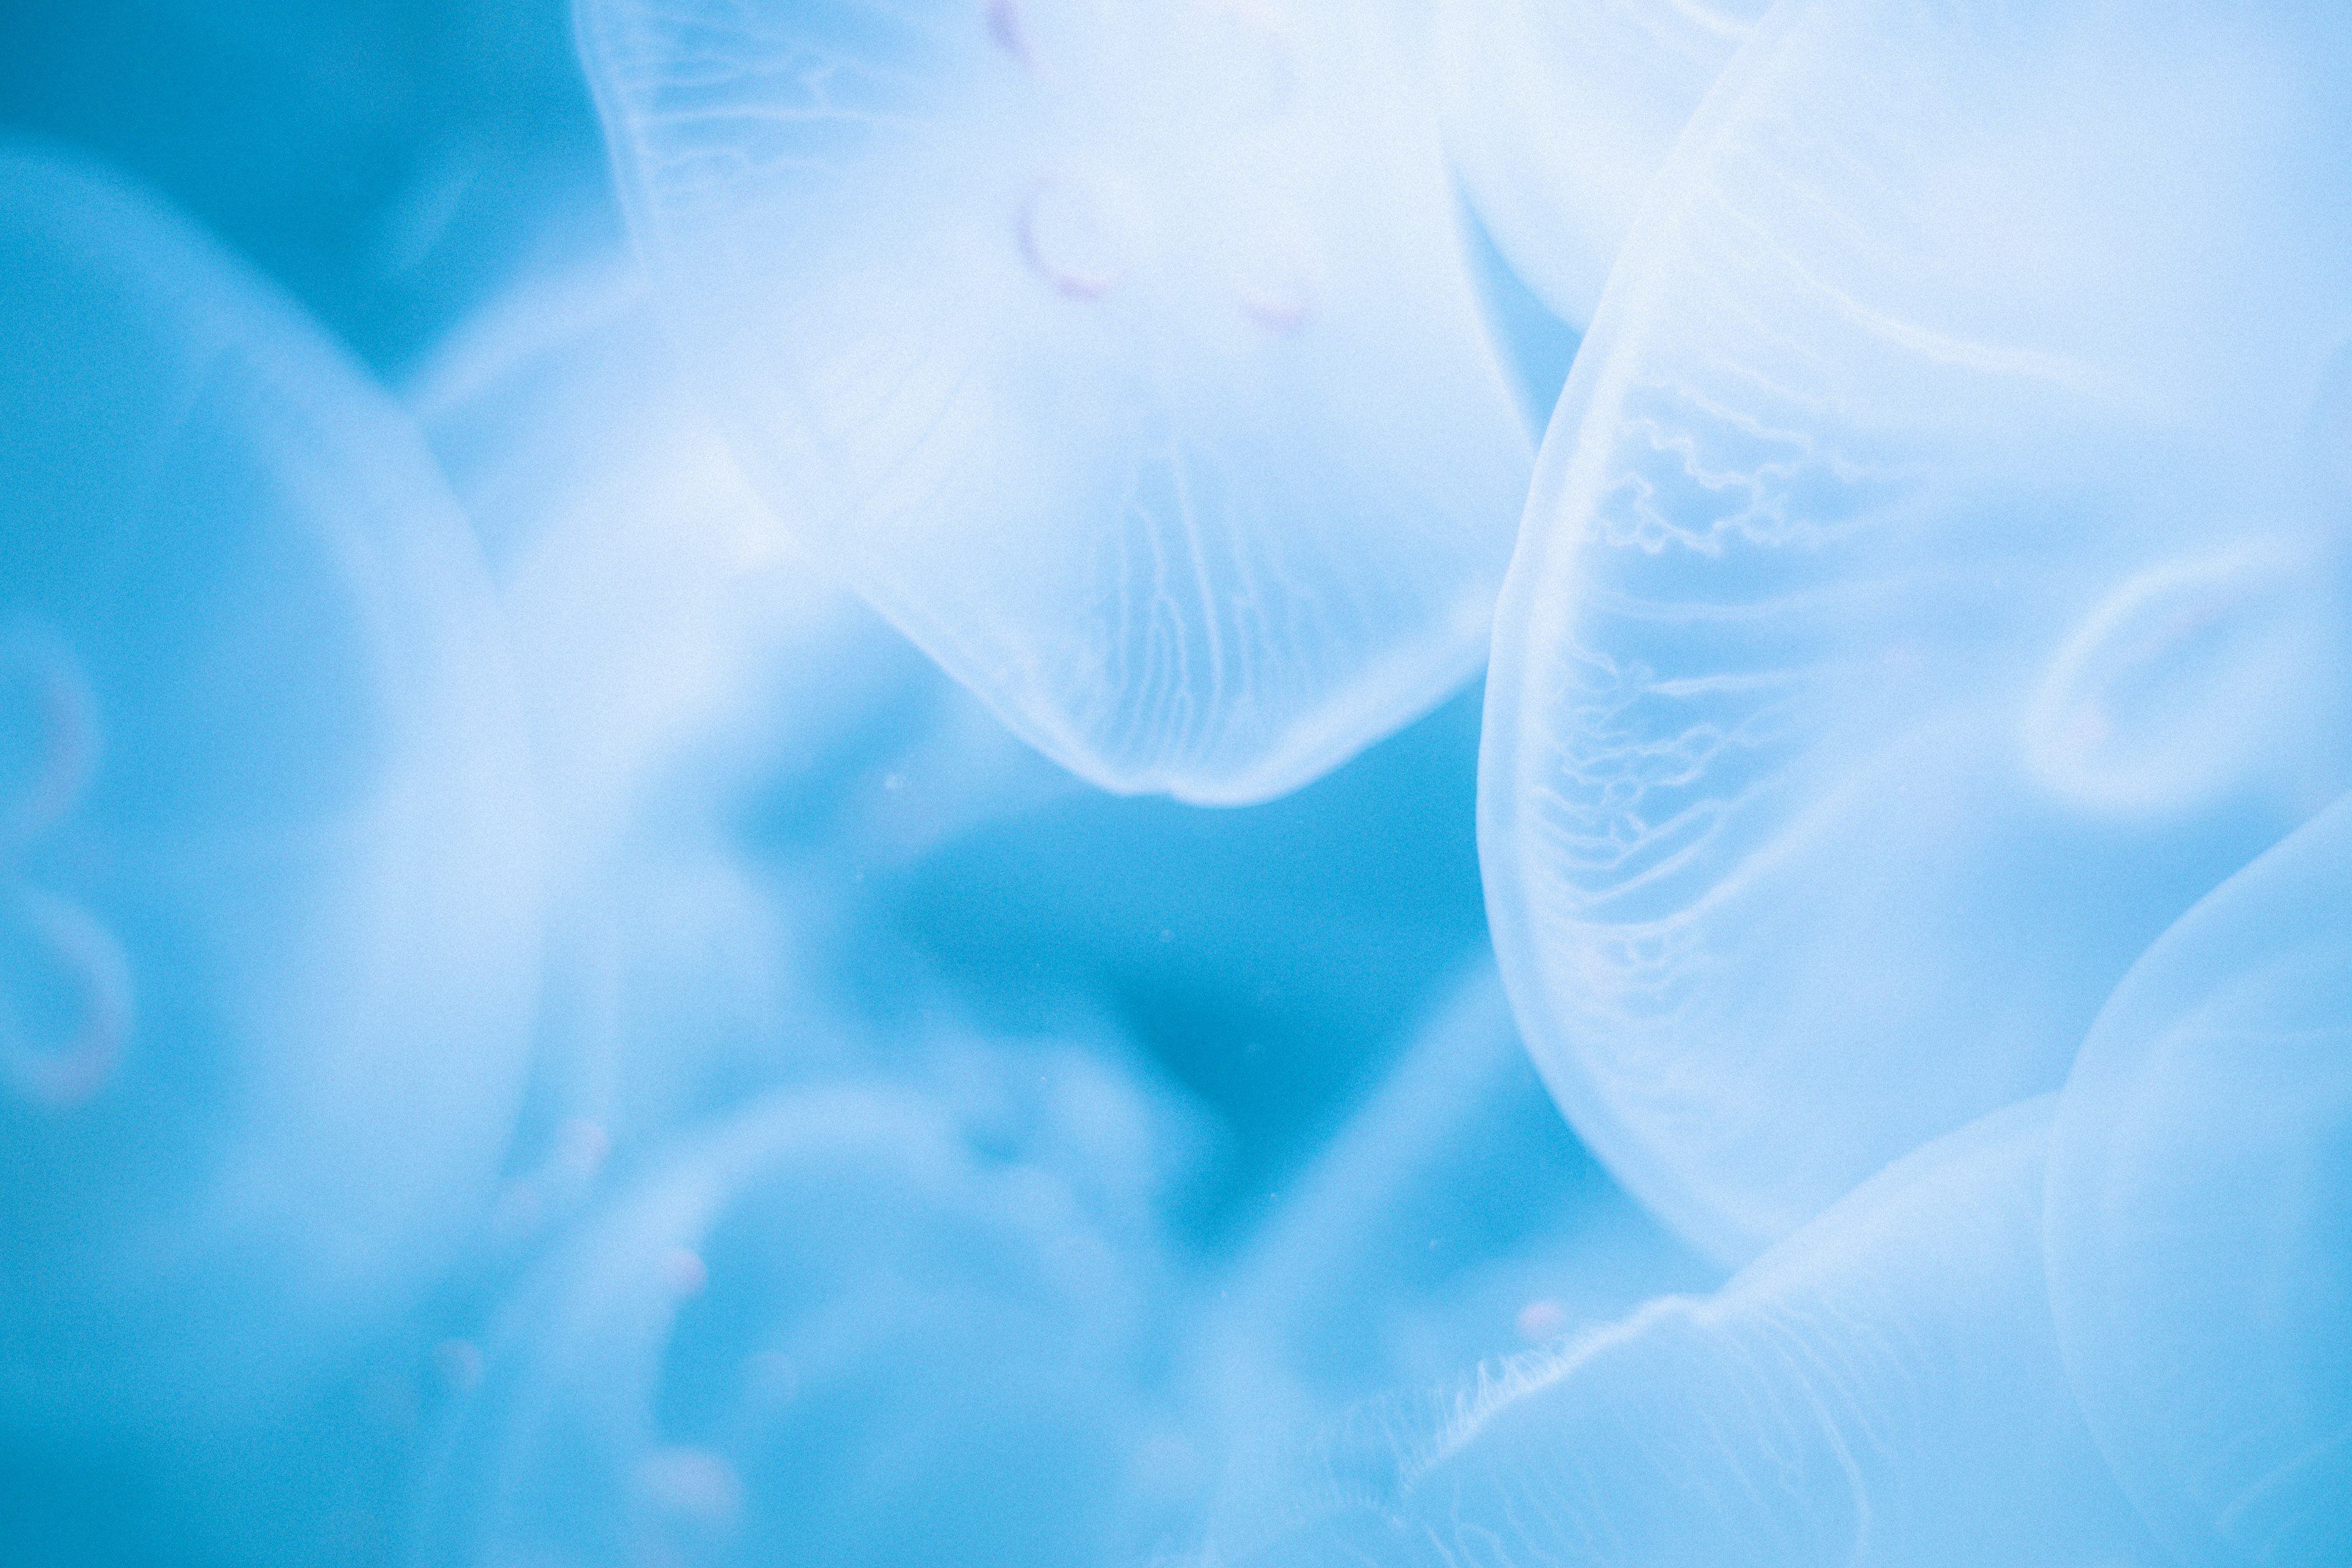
1148 783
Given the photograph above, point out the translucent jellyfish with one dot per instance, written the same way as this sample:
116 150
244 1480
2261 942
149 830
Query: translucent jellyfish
2199 1181
651 599
1452 1218
674 636
1932 583
684 664
844 1327
1122 354
1559 112
267 870
1883 1388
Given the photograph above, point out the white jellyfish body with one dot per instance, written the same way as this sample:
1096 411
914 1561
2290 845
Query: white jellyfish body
1929 589
1559 112
2200 1180
839 1328
1883 1388
266 865
1123 355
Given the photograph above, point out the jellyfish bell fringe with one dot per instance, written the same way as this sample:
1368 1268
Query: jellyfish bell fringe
1885 1387
1905 631
1125 357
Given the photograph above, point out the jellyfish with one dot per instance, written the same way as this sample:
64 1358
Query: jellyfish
267 856
1557 115
653 602
1124 356
670 628
684 666
1885 1387
2199 1177
848 1325
1933 583
1452 1218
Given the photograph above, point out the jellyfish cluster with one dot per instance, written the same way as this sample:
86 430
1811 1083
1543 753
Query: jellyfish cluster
1176 784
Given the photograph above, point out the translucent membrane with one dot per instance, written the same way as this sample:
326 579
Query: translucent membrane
1884 1388
267 869
842 1328
685 665
676 643
664 627
1454 1218
652 598
2201 1183
1559 112
1929 588
1122 354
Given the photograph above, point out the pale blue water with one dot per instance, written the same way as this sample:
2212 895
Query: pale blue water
1130 782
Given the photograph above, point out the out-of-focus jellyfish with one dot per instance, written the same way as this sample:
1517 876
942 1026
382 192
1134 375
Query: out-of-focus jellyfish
844 1327
1929 589
667 623
1124 355
647 591
1883 1388
2199 1182
1453 1219
1557 113
684 664
266 863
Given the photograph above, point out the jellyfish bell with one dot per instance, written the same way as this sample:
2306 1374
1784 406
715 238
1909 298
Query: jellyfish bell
647 589
836 1327
266 863
647 598
1452 1218
673 636
685 668
1883 1387
1924 597
2198 1191
1557 116
1123 356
